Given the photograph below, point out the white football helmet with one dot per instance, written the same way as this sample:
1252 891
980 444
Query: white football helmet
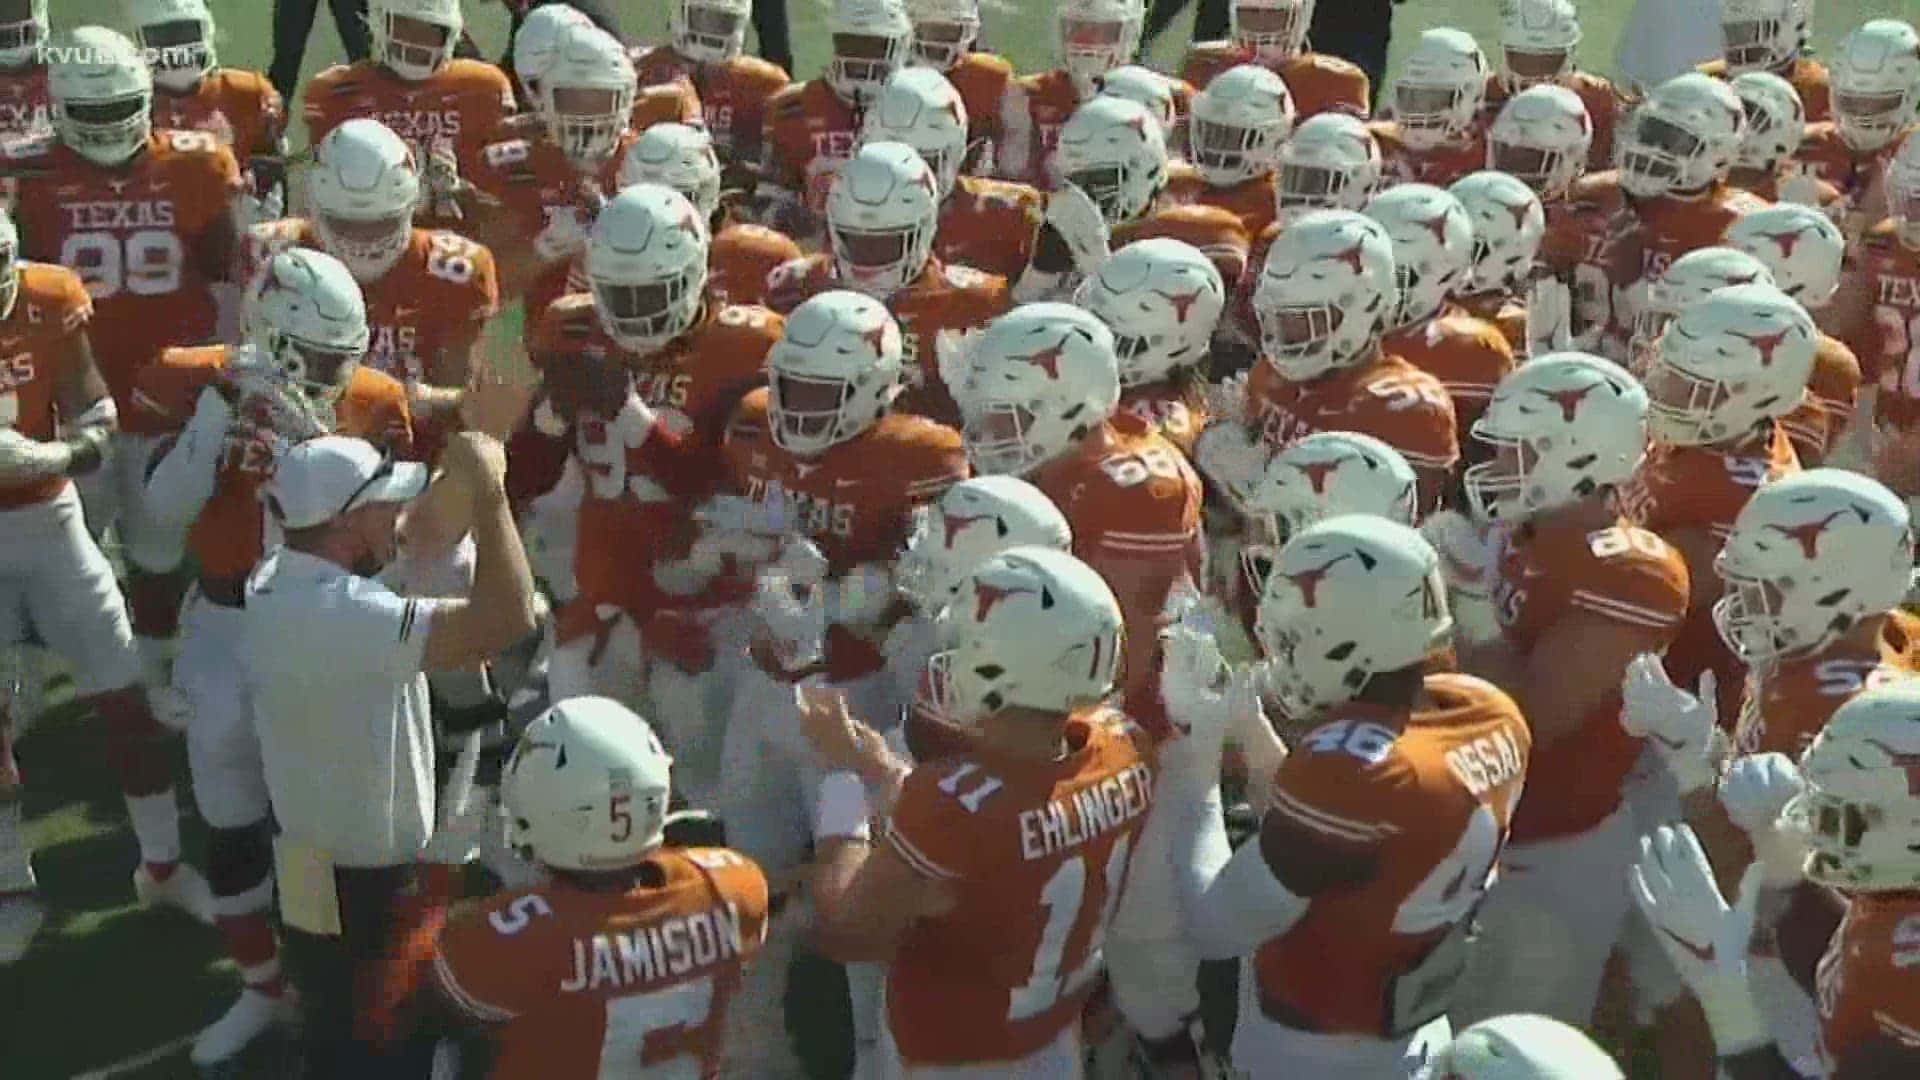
363 186
972 521
101 95
586 95
1433 247
537 42
9 264
919 107
1272 30
647 266
1037 380
834 372
882 212
1859 813
1776 120
1537 40
678 156
1811 555
1509 225
1029 628
1728 364
943 31
414 39
21 39
1097 36
1523 1047
1162 299
1682 138
1331 163
1542 135
1326 293
1875 75
1147 88
1562 427
1800 245
1112 149
1322 475
306 313
1690 278
177 36
1441 88
1903 192
709 31
587 787
1238 124
871 40
1760 35
1350 597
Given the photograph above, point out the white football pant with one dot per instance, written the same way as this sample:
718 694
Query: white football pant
1264 1050
52 568
1152 964
223 749
115 496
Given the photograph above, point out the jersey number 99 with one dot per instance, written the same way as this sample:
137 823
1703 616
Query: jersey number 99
146 262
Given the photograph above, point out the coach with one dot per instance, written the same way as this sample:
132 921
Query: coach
336 663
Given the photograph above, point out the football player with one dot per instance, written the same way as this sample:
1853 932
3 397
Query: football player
1509 225
24 36
1727 370
230 409
148 220
1876 84
811 127
1689 279
538 194
1326 297
1435 134
1273 34
192 92
429 292
881 220
1166 99
1771 36
1354 909
1095 37
1239 123
708 46
445 108
60 580
627 957
535 44
1433 249
1776 126
1537 42
743 255
1804 251
944 35
1565 431
1877 311
1162 299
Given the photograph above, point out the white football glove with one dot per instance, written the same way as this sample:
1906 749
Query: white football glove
1228 397
1232 456
1755 789
456 841
861 596
23 458
950 357
1549 316
1683 727
769 515
563 239
1076 217
1802 188
792 618
439 173
1704 938
1470 562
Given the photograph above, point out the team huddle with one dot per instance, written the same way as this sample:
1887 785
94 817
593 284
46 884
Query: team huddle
987 485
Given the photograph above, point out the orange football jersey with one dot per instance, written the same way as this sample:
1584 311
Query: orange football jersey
1427 798
1604 108
443 284
1868 981
23 102
1034 855
239 108
1827 198
1318 82
1252 201
226 539
1175 409
535 182
1621 574
1506 311
807 133
742 257
990 225
1216 232
133 235
1048 99
1660 231
1828 157
981 79
1440 166
1832 391
575 985
1889 345
733 95
1579 227
51 309
1808 78
1789 701
459 107
1386 397
945 297
1468 355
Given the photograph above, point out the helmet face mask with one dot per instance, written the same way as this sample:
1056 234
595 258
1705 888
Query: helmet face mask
586 96
23 33
1441 88
1537 42
101 96
1097 36
363 187
647 266
834 372
1542 135
1876 79
1238 124
710 31
306 313
882 214
944 31
1113 149
1038 380
677 156
1758 35
871 40
178 36
414 39
1270 29
1682 138
1331 163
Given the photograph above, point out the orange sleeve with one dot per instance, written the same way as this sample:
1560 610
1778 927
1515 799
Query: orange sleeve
68 300
1634 578
1339 784
483 284
166 392
480 963
783 139
931 826
743 885
320 107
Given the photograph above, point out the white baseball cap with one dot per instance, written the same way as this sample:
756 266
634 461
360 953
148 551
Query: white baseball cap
320 479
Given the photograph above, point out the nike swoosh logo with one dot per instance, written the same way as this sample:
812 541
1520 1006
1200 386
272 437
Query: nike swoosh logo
1702 953
1671 744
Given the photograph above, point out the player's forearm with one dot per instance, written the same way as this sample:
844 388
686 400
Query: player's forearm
842 929
87 434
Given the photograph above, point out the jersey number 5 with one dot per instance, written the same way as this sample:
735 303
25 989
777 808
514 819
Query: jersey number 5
631 1021
1065 899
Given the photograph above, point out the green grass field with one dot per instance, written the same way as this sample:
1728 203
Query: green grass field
112 991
